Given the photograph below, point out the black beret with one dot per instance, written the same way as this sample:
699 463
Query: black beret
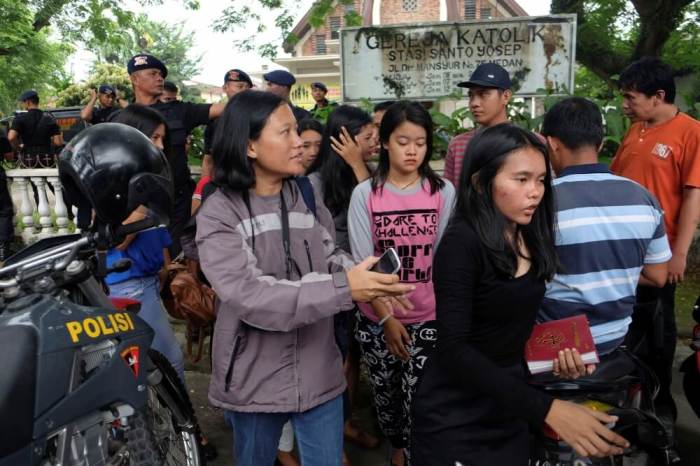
237 75
26 95
281 77
144 61
106 89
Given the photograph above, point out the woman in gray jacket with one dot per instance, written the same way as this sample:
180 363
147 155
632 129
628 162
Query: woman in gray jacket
279 280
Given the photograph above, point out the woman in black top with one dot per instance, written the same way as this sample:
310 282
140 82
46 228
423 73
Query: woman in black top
474 405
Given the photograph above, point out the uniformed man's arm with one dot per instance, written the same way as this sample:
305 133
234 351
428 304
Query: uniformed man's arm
55 132
13 137
57 140
216 110
86 112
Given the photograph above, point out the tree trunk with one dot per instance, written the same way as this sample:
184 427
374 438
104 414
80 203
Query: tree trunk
657 20
48 10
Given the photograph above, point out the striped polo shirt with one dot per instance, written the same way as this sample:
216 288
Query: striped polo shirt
607 228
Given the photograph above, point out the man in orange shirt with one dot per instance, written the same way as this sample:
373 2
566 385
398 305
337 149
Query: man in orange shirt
661 151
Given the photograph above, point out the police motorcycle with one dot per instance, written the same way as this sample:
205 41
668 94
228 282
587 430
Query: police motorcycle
691 366
79 384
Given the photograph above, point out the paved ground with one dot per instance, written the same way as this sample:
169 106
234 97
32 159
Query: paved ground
212 420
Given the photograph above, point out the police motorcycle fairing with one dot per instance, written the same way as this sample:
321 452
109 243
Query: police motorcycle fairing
56 375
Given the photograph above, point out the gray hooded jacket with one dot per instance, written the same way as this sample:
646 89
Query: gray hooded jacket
274 347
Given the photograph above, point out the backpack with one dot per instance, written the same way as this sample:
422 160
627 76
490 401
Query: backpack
307 193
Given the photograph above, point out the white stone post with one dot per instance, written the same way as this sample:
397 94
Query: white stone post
60 208
43 208
25 209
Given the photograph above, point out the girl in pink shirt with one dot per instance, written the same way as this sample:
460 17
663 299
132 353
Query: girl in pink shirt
404 206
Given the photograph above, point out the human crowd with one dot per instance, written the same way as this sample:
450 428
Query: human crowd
290 215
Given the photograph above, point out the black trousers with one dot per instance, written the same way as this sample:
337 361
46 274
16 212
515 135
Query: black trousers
7 212
653 336
181 214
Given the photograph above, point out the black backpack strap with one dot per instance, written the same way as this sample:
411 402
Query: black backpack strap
307 192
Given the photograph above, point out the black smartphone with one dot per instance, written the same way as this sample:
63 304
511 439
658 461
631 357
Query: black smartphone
389 262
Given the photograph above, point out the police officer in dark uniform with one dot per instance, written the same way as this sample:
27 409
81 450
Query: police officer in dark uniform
147 75
318 92
235 82
38 131
170 92
107 97
7 213
280 82
40 135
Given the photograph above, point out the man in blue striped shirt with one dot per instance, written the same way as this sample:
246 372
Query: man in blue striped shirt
610 232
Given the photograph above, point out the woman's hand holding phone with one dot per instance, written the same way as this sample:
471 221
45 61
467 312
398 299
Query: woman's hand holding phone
366 285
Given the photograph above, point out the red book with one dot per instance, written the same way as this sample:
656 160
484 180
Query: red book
549 338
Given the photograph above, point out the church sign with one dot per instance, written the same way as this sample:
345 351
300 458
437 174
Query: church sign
426 61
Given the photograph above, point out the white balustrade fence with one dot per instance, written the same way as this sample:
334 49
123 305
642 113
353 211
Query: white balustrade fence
46 214
43 215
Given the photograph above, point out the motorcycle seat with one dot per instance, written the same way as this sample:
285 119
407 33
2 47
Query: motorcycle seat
612 367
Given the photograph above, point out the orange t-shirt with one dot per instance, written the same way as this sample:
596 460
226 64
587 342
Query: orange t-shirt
665 159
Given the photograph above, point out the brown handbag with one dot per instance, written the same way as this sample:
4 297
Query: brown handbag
187 298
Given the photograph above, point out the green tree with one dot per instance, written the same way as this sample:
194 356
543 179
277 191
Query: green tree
246 19
104 73
613 33
28 59
34 38
170 43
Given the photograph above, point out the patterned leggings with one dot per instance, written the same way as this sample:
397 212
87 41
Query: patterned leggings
393 381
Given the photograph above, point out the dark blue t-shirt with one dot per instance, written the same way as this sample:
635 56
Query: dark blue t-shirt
145 252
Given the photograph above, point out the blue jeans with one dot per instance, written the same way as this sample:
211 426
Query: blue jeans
147 290
319 435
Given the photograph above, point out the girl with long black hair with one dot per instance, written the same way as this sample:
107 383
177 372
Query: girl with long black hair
348 142
474 406
405 206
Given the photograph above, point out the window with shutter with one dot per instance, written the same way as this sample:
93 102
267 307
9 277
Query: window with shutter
335 27
320 45
469 9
